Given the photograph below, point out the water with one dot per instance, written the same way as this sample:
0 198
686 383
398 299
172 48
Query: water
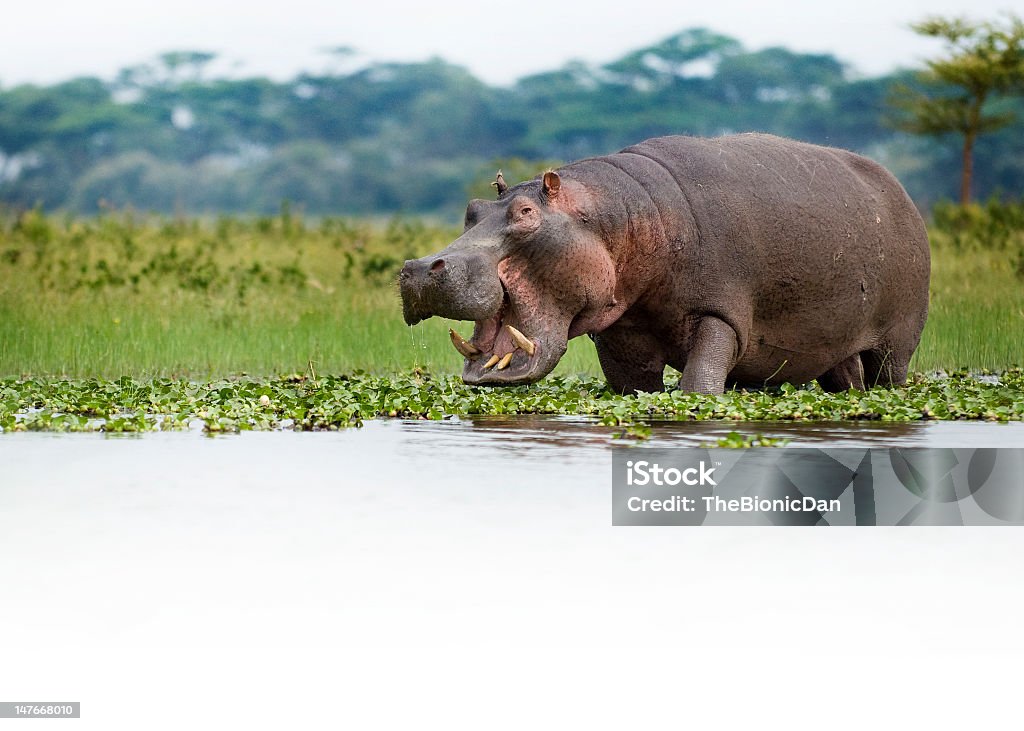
574 437
421 569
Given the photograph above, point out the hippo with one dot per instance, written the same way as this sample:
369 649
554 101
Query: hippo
741 261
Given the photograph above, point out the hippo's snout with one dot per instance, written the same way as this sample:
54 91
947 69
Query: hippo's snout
458 286
417 285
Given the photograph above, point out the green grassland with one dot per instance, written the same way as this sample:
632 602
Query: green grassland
123 294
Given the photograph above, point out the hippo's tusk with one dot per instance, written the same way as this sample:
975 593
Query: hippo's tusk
467 349
521 340
503 363
493 359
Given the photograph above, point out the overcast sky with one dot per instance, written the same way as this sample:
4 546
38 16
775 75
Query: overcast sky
499 40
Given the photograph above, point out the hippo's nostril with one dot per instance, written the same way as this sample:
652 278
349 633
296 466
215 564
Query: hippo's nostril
437 265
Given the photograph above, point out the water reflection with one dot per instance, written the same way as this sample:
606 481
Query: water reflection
568 432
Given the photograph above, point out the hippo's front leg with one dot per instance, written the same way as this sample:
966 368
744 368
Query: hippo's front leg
711 356
631 359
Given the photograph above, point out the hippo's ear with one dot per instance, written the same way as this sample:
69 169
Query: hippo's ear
499 183
552 184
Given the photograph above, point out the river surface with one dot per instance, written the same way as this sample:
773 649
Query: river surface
468 570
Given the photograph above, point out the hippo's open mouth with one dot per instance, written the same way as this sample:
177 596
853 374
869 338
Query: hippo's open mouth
506 351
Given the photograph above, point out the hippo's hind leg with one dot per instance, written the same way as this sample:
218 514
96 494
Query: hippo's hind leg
845 375
885 366
631 359
888 362
710 357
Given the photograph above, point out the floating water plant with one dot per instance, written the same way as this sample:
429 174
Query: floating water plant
329 402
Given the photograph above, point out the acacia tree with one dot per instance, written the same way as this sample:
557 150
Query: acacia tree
983 61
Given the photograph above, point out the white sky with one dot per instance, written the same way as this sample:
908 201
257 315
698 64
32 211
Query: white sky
499 40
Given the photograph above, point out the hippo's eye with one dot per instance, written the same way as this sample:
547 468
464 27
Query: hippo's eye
523 217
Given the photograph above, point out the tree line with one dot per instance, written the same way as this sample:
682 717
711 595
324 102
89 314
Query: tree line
421 137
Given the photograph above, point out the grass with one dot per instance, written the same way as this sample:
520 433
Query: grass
976 313
121 296
145 297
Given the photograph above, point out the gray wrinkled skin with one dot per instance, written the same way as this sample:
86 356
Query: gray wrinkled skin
744 260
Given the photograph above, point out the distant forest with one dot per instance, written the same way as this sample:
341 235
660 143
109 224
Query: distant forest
422 137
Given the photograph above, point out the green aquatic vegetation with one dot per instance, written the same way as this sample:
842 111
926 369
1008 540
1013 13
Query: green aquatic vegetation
736 440
331 402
